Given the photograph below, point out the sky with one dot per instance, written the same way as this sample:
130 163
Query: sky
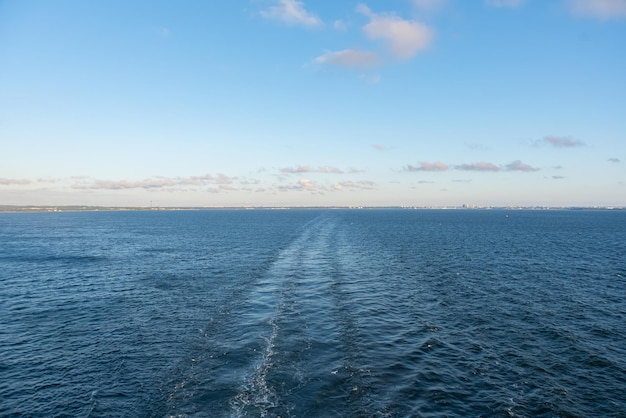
313 102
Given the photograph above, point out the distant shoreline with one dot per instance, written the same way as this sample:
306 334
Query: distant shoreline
85 208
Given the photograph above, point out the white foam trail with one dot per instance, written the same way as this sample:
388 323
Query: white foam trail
266 308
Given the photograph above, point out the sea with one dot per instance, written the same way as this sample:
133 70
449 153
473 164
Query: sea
313 313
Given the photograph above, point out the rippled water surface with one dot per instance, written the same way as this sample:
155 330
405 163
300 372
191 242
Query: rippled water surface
313 313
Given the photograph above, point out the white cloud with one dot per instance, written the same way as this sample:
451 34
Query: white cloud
349 58
405 38
481 166
505 3
227 187
306 169
340 25
8 182
426 166
562 142
157 183
291 12
354 185
601 9
307 184
517 165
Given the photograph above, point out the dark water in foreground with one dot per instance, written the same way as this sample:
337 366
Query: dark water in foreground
379 313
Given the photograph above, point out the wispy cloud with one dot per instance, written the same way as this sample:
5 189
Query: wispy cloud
307 184
404 38
426 166
340 25
302 184
429 5
480 166
505 3
558 177
562 142
354 185
476 147
126 184
379 147
349 58
600 9
614 160
222 182
517 165
49 180
221 179
370 78
306 169
8 182
292 12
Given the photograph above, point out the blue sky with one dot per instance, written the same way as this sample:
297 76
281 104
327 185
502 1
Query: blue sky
285 102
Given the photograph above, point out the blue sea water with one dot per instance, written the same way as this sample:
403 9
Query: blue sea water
313 313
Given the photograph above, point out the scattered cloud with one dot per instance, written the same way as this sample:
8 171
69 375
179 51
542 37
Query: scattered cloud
517 165
349 58
614 160
48 180
292 12
404 38
340 25
227 187
223 183
302 185
354 185
558 177
600 9
8 182
425 166
481 166
221 179
562 142
306 169
462 181
505 3
126 184
305 184
165 183
379 147
425 182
